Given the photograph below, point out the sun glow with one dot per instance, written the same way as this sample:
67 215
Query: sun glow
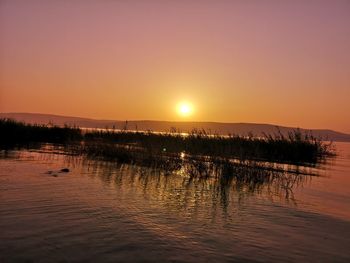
184 109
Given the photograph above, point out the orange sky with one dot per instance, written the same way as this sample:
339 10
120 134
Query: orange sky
280 62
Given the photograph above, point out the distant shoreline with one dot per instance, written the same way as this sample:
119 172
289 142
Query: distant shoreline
241 129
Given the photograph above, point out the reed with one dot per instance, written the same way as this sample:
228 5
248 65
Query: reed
295 148
246 162
14 133
149 147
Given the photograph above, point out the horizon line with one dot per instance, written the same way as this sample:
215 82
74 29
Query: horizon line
154 120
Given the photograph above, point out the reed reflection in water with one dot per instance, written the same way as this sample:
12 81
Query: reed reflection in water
197 182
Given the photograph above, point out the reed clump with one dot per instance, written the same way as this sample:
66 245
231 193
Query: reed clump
14 133
295 148
150 148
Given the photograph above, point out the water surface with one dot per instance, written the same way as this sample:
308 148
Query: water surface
105 211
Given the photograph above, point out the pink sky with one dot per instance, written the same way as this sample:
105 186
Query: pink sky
280 62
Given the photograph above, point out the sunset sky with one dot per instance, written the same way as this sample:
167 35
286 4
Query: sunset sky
279 62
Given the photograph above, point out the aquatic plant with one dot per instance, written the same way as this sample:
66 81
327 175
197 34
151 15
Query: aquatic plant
128 146
14 133
296 148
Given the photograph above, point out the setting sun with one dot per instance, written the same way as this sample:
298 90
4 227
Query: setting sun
184 109
209 131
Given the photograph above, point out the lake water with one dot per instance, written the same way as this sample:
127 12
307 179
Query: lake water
108 212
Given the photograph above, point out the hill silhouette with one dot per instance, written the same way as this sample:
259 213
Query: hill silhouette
242 129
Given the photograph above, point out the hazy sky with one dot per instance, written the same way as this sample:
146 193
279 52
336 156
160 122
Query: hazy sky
280 62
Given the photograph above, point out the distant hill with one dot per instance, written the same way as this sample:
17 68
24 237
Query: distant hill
166 126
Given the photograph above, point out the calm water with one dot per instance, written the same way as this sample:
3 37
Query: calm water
102 211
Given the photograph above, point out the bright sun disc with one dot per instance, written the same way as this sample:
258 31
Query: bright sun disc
184 109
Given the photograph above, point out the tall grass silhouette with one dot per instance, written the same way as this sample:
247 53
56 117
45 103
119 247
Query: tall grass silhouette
295 148
149 147
14 133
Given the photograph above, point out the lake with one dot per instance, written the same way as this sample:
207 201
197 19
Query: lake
109 212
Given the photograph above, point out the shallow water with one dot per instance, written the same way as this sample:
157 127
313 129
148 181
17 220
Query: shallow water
103 211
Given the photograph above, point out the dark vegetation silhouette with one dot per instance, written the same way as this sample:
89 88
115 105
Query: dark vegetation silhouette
296 148
167 149
15 133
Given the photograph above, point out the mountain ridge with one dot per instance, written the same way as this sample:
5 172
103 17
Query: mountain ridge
222 128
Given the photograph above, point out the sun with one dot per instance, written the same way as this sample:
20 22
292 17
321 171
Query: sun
185 109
